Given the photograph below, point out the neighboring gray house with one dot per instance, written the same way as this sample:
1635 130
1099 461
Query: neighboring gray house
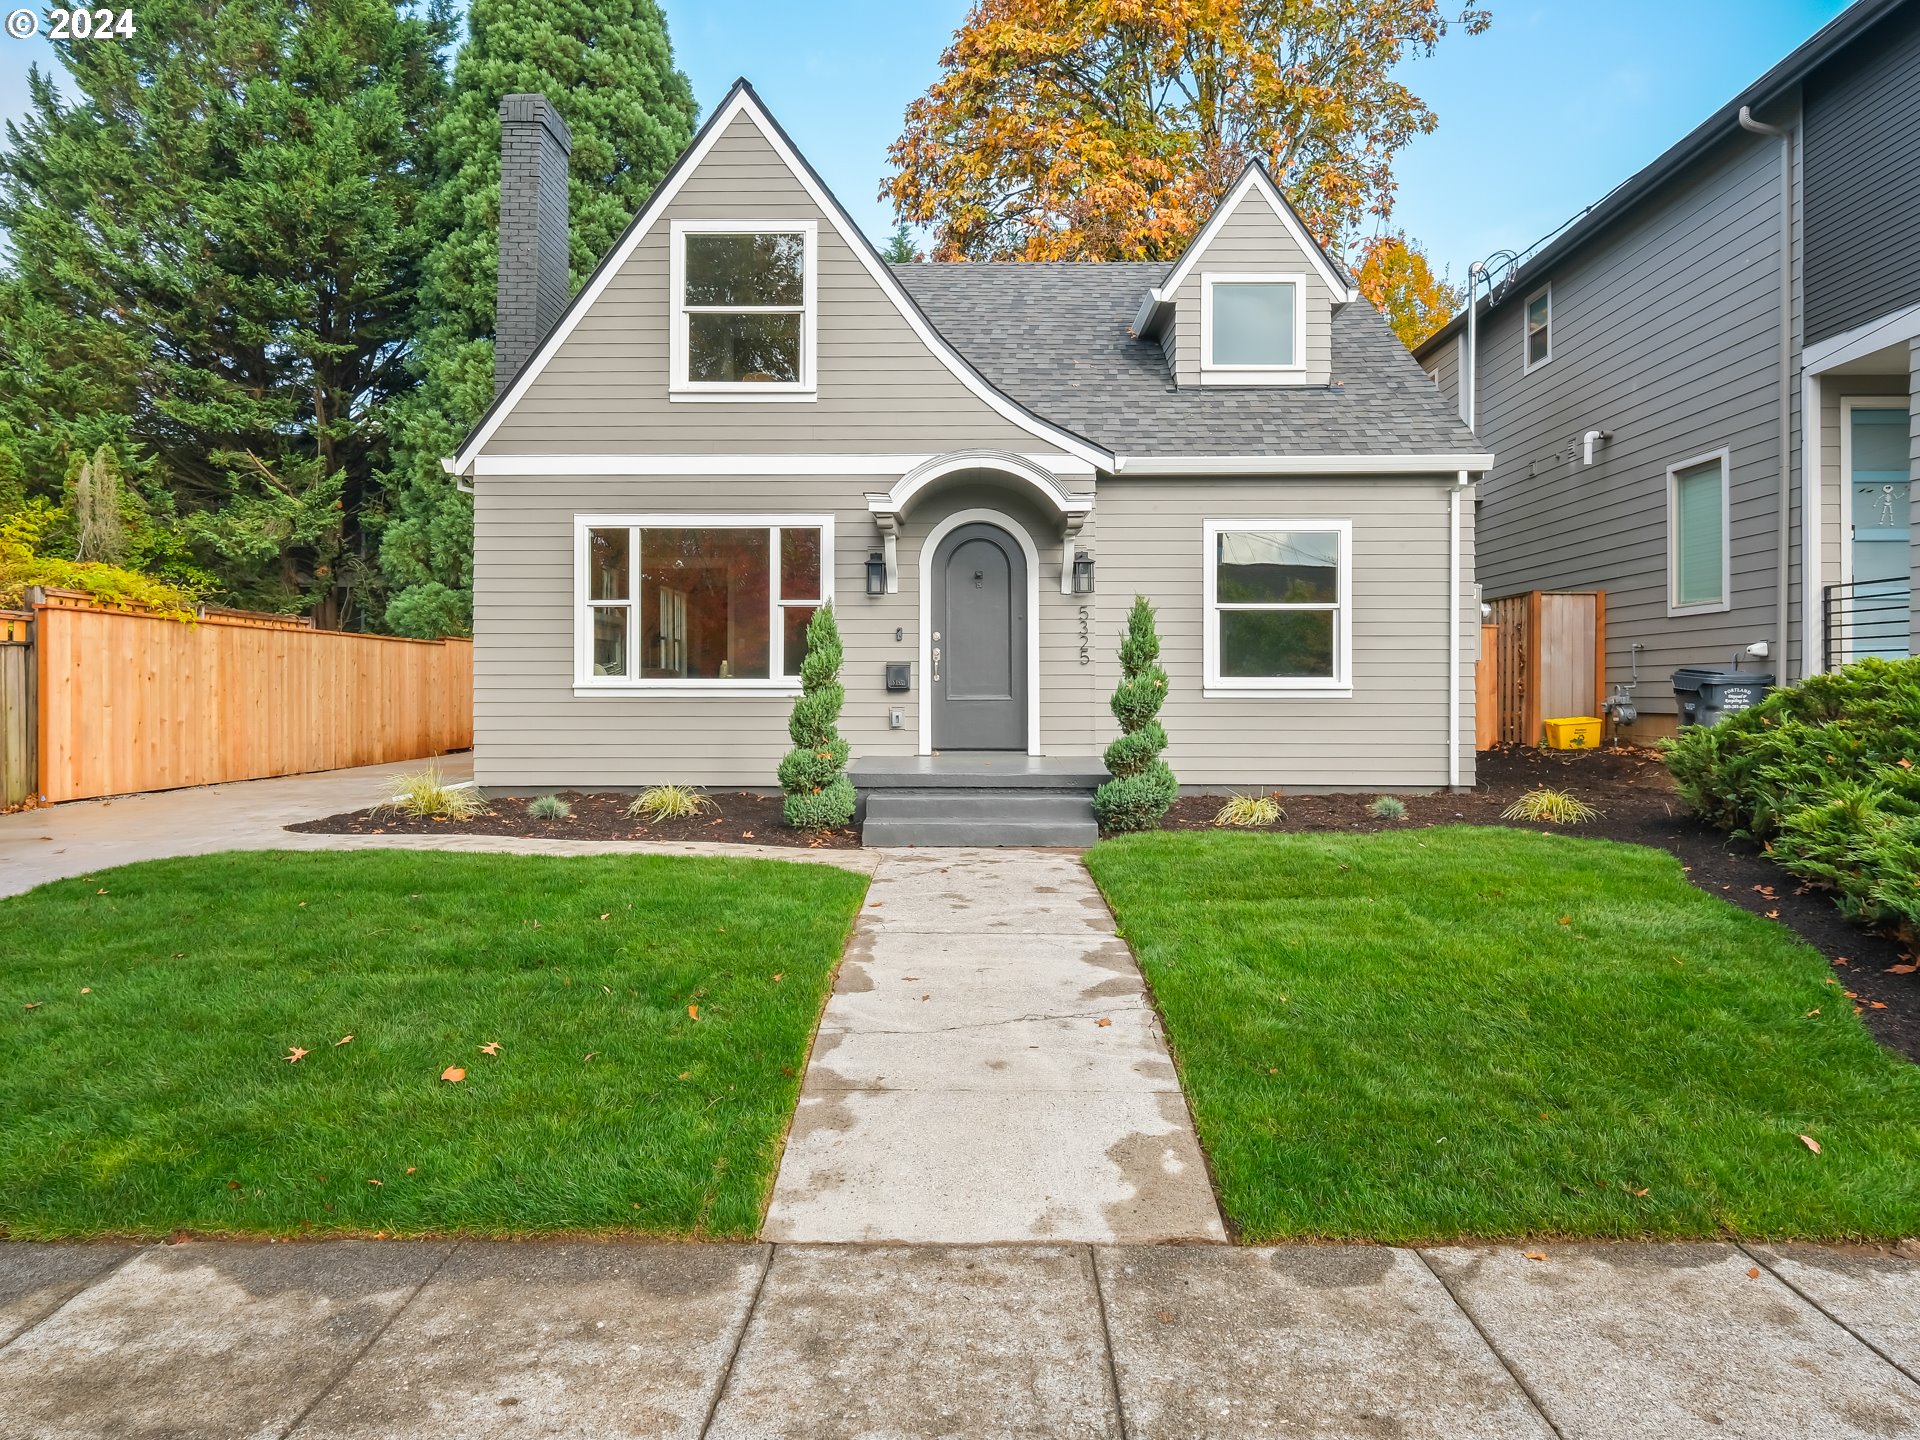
745 413
1701 393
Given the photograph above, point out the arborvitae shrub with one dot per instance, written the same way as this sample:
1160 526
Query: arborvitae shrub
1142 786
819 795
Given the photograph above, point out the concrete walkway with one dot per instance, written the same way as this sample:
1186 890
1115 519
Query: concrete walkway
88 835
401 1340
989 1069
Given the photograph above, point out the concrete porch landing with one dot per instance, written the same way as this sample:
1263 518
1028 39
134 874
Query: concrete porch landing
979 798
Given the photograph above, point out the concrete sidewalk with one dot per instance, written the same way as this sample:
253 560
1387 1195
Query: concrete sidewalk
989 1069
399 1340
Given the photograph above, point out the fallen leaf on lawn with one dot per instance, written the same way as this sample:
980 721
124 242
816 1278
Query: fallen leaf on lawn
1904 763
1811 1143
779 975
1103 1022
684 1074
453 1074
100 892
233 1184
1639 1194
588 1056
1536 1254
1773 914
343 1040
1814 1011
295 1054
603 917
492 1047
1902 969
1566 919
693 1012
179 954
1753 1273
86 989
371 1181
410 1169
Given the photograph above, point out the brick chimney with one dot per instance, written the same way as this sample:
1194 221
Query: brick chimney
534 288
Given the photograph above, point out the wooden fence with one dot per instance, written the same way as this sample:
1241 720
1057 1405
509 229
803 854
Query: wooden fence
131 702
1547 654
19 772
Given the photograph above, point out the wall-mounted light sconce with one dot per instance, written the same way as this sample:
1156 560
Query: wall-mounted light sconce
1082 573
876 573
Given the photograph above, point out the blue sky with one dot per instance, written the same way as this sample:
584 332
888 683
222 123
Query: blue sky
1540 116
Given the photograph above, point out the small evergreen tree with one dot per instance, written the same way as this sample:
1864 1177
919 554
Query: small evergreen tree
1142 786
814 772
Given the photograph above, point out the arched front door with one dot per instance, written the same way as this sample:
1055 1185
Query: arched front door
977 680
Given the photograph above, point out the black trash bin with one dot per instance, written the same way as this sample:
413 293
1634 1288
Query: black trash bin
1708 693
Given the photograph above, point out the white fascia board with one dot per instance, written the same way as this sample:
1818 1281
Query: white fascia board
1255 179
1302 464
1862 341
702 465
744 103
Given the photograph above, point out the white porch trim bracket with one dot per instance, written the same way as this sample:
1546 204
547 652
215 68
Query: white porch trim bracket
890 506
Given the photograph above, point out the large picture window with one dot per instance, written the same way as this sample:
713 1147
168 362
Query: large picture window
743 309
1697 540
1278 598
1251 328
699 603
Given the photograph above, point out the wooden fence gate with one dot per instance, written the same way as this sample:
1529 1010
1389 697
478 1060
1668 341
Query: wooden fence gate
1548 653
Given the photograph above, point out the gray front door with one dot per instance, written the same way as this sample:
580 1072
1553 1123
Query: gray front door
977 683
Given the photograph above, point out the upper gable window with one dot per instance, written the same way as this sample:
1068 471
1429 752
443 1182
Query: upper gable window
1539 327
1252 328
744 313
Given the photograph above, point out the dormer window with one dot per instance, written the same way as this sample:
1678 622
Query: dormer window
1252 329
744 315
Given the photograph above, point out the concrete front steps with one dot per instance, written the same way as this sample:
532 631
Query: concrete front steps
979 799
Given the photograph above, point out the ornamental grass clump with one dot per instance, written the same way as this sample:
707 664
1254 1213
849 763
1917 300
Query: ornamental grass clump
1388 807
1143 785
1249 812
1553 807
1826 775
549 807
814 772
427 795
669 802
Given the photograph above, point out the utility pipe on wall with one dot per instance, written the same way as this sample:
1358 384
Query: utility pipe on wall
1453 632
1783 559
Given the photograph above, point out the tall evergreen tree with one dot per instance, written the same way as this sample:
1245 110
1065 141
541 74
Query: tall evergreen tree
215 253
607 66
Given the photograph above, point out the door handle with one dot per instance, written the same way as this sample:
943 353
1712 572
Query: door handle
936 664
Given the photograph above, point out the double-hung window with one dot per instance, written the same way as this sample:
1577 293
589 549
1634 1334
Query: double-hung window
1278 598
691 603
743 309
1539 328
1698 549
1252 329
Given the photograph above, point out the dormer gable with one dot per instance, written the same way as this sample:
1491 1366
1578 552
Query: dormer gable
1251 300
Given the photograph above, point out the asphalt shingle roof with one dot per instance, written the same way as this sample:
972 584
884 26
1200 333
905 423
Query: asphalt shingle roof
1055 336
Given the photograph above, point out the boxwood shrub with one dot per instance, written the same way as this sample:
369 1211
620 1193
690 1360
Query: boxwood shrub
1826 775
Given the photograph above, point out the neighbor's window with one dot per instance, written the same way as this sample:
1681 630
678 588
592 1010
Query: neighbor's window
1251 323
1697 534
1539 327
714 602
1277 598
745 308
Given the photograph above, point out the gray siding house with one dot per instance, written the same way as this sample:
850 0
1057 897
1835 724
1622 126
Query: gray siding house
1701 393
745 413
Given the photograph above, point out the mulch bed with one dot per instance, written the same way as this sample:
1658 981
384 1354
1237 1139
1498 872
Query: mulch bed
1629 787
1637 804
740 818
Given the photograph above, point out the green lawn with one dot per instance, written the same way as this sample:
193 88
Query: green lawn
1488 1032
147 1089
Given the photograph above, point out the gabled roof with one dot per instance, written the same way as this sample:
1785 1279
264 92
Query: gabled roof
1724 124
1254 181
1057 336
742 100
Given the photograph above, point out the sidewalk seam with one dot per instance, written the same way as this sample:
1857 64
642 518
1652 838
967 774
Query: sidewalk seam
1539 1405
98 1277
1764 1263
354 1359
739 1340
1106 1339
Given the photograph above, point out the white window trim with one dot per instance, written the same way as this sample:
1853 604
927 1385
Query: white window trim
1724 455
1212 374
679 387
1216 687
586 683
1527 363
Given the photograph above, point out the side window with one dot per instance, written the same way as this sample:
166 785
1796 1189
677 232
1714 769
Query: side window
1278 596
1697 516
1539 327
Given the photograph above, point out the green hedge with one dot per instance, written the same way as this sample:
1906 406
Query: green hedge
1826 775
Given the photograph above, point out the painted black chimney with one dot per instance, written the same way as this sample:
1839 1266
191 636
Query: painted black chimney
534 289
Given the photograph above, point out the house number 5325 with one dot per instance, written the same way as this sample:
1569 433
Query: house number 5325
1086 637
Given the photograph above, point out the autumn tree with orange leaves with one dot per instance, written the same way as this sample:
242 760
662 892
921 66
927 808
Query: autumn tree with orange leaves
1394 275
1108 129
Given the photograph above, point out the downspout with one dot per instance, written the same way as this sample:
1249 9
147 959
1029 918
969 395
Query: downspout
1453 633
1784 519
1472 378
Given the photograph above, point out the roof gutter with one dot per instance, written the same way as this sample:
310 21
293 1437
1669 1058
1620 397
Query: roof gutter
1180 465
1784 516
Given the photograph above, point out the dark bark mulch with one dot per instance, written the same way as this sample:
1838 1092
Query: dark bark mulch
737 818
1637 804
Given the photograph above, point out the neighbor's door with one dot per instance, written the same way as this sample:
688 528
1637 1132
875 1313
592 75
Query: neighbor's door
1877 484
977 676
